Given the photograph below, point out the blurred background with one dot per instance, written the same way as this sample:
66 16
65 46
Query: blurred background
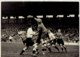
16 16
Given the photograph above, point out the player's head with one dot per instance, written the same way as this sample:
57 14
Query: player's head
59 30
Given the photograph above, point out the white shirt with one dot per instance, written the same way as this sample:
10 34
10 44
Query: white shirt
10 37
51 36
30 33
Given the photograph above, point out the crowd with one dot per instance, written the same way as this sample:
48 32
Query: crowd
70 34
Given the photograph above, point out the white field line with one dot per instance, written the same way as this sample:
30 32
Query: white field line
72 43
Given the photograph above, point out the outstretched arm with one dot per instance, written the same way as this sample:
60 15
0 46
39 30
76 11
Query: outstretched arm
38 19
35 18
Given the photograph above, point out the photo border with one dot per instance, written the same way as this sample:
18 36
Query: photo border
39 1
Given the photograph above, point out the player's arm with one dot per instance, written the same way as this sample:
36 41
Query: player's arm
55 35
34 33
52 37
61 35
38 19
35 19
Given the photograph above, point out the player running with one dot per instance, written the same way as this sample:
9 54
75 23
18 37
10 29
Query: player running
27 39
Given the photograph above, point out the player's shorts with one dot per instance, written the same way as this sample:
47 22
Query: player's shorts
56 41
28 42
60 41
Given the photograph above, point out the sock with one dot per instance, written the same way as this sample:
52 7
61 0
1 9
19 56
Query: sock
61 48
65 49
56 48
49 49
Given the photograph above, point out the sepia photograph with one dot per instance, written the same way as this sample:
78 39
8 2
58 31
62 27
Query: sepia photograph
39 29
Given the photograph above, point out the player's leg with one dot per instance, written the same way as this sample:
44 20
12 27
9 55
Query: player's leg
23 50
39 36
55 44
63 45
35 46
45 46
43 42
43 49
26 46
38 41
56 47
49 48
61 42
65 48
49 44
35 50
